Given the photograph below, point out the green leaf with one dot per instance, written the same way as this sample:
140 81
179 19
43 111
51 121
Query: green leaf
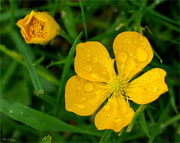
83 19
142 121
106 136
57 63
154 12
68 19
32 72
66 69
46 139
157 126
136 115
38 120
40 60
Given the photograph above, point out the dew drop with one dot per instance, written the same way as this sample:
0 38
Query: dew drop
141 54
88 87
21 113
106 107
122 57
10 111
81 107
108 115
95 60
75 104
89 68
155 89
79 87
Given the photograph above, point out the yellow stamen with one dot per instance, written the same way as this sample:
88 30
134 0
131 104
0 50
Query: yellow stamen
38 29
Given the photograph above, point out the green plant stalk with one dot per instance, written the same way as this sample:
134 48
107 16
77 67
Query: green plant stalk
170 121
84 20
136 115
39 91
33 74
54 7
106 136
20 60
6 77
157 126
66 70
154 12
66 36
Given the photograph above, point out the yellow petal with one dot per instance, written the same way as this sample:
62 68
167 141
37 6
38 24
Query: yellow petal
38 27
92 62
115 115
84 97
132 53
148 87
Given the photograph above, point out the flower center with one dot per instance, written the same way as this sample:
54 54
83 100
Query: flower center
38 29
117 86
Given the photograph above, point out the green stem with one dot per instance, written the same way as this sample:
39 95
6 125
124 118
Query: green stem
65 72
84 20
136 115
66 36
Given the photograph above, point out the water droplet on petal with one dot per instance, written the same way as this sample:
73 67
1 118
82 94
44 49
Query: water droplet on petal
10 111
81 107
79 87
75 104
89 68
88 87
95 60
108 115
155 89
106 107
141 54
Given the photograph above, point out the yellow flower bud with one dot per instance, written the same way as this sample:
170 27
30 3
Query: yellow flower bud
38 27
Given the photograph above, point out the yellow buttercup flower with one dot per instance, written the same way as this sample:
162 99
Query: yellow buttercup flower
97 80
38 27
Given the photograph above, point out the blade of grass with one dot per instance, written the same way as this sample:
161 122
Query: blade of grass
66 69
84 20
40 60
38 120
172 95
46 139
56 63
154 12
142 121
12 12
106 136
170 121
68 19
136 115
156 54
40 69
159 122
54 8
22 48
7 76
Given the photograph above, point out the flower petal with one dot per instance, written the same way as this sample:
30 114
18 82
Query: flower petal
148 87
84 97
92 62
132 53
115 115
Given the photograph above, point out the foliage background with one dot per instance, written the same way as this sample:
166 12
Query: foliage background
32 95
